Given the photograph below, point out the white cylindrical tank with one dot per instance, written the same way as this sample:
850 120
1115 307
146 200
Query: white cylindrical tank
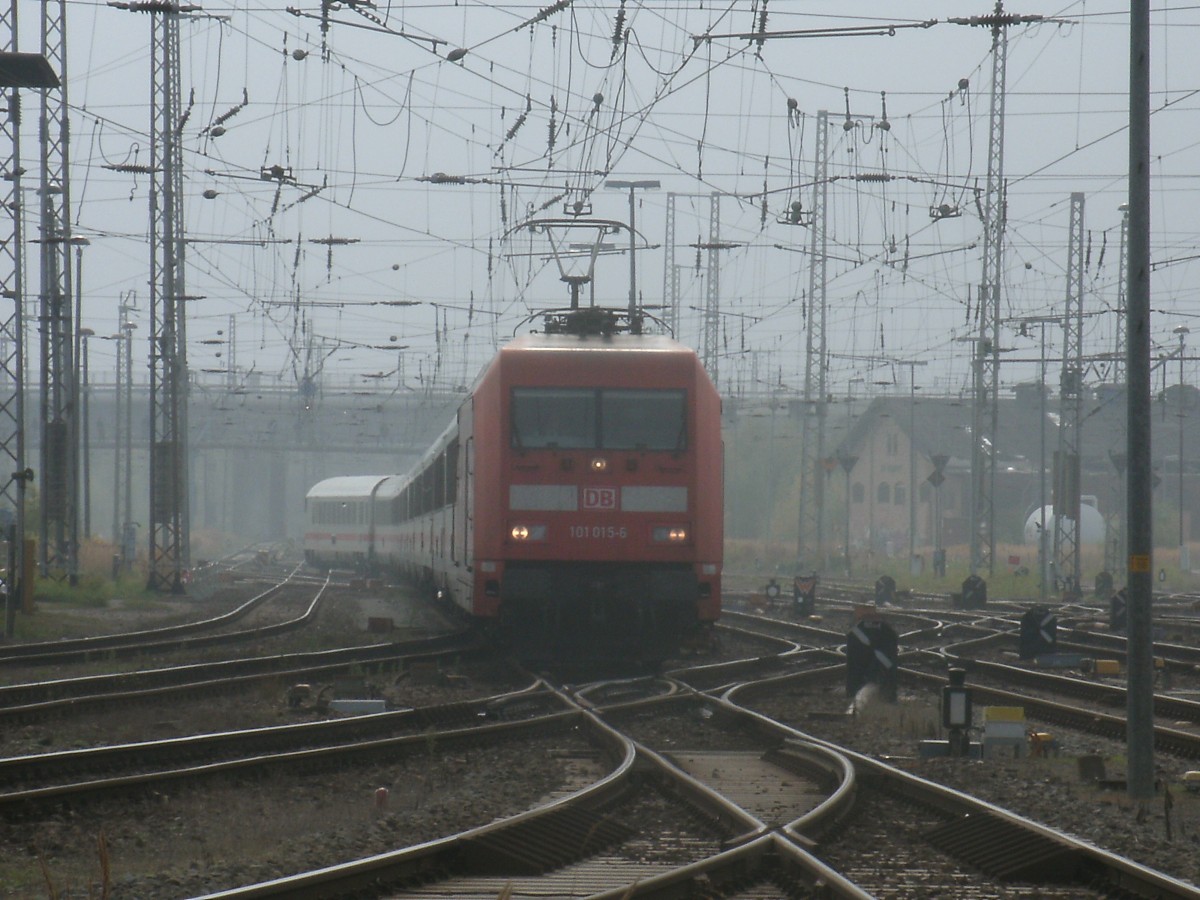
1091 525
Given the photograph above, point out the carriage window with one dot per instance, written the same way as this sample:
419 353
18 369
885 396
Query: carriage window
452 472
642 420
615 419
553 417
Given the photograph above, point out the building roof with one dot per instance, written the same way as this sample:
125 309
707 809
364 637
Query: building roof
944 424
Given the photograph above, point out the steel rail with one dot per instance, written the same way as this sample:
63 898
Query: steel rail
22 801
93 691
147 640
430 860
1106 694
42 767
984 835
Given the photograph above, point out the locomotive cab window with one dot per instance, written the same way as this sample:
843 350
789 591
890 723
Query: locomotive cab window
553 417
586 419
642 420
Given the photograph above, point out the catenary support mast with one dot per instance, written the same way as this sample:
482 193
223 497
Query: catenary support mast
168 530
59 414
812 447
1139 713
27 71
1066 461
985 418
712 294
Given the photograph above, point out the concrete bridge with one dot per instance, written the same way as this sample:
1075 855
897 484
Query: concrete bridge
254 450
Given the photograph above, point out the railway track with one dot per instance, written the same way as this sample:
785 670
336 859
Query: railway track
199 633
25 702
771 795
112 766
676 787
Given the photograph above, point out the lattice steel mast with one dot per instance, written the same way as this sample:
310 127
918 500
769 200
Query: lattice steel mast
670 270
1066 459
812 446
168 357
59 477
712 293
14 475
1114 544
985 419
1118 367
12 330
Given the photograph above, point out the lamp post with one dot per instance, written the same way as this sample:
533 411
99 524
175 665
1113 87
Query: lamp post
1043 532
632 186
847 462
85 433
77 440
1184 562
936 478
912 460
118 340
124 535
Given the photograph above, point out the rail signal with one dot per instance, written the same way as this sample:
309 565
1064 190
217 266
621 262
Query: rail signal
1118 617
871 652
938 476
1039 632
885 590
804 594
974 593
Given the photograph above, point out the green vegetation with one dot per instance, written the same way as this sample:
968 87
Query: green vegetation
68 609
95 592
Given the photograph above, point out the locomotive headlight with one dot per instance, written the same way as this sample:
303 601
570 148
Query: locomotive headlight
673 534
599 464
528 532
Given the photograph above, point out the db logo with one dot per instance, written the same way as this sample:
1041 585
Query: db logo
599 498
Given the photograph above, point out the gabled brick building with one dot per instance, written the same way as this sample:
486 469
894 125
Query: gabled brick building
892 428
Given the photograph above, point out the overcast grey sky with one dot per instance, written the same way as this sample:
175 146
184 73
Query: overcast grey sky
365 113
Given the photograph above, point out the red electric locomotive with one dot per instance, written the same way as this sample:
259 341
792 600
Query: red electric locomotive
576 503
598 514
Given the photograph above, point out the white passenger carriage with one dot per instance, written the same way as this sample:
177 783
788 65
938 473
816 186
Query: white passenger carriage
339 516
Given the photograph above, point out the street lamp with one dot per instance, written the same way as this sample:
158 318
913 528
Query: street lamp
1043 532
79 430
1184 562
124 534
85 442
632 186
912 460
847 461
